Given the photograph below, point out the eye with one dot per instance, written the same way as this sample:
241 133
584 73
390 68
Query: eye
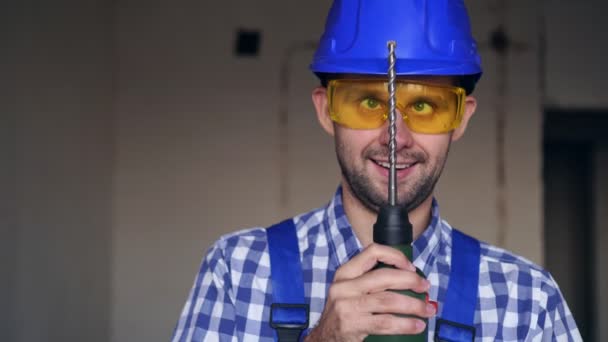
422 108
370 103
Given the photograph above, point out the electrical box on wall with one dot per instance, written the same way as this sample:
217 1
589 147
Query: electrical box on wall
247 43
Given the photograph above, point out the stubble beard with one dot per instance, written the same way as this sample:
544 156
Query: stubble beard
416 191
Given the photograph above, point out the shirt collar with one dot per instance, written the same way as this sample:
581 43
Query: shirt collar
344 244
426 246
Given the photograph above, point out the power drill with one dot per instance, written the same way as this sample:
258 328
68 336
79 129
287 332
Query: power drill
392 226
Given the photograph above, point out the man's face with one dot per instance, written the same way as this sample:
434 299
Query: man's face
363 156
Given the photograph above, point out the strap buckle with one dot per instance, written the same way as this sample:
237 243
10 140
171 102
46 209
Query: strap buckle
450 331
289 320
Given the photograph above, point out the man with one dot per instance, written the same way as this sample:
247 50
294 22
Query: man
348 298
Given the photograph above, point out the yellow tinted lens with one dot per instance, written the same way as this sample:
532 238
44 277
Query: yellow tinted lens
358 104
426 108
430 108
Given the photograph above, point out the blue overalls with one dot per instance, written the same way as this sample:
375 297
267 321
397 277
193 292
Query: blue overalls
289 311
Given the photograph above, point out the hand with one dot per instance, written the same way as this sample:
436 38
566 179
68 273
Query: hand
359 305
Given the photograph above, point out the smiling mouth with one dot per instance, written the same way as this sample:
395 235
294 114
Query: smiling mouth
398 166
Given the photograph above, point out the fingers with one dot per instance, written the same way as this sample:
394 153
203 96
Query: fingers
391 279
389 302
373 314
387 324
370 256
379 280
360 303
382 313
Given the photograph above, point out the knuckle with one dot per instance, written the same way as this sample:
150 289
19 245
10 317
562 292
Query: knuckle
342 307
377 249
331 293
373 249
364 303
338 275
334 291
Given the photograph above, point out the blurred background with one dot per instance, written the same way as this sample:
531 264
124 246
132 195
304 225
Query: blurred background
135 133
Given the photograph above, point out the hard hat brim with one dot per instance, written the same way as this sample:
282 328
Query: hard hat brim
402 67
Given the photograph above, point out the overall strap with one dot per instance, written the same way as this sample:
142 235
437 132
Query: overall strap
289 311
457 319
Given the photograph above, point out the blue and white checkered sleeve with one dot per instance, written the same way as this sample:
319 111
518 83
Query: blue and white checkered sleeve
209 314
557 322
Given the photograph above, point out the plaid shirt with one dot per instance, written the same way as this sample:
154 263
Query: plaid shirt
231 296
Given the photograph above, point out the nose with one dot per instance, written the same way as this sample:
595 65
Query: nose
403 134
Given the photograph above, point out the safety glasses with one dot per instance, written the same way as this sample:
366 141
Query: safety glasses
425 108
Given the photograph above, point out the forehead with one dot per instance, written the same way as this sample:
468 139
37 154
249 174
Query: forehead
432 79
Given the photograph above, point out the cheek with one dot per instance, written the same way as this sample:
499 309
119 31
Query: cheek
435 146
353 142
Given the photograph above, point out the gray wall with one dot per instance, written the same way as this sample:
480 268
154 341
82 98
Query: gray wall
8 205
140 138
197 144
59 94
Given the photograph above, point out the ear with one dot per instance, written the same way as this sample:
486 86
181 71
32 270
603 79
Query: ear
319 99
470 105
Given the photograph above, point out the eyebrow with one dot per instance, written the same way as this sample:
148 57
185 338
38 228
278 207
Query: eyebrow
379 94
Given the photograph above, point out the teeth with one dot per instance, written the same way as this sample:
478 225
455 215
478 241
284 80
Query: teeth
397 166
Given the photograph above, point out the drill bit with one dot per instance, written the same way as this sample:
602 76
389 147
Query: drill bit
393 227
392 180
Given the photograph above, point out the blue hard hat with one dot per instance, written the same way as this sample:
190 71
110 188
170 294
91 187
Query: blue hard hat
433 38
